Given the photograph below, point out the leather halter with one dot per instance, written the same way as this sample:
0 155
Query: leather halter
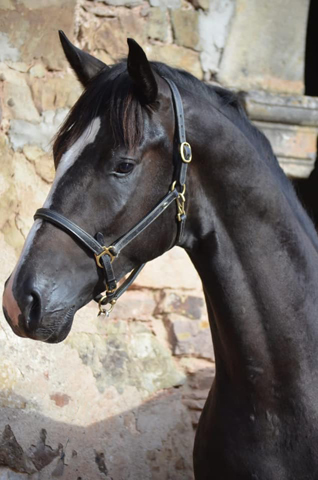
105 255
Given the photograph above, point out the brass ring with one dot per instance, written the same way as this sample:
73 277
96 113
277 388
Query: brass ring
106 251
185 144
173 186
105 311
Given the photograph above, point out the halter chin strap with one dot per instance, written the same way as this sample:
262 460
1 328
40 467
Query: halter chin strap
104 256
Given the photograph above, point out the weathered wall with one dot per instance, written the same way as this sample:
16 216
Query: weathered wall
124 394
121 396
266 46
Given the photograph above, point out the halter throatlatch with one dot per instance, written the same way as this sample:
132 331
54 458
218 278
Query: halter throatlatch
105 256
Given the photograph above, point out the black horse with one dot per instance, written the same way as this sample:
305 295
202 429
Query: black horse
307 190
246 233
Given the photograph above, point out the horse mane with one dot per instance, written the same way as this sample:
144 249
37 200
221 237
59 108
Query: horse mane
111 93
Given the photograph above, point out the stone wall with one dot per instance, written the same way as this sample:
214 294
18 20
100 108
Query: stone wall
121 397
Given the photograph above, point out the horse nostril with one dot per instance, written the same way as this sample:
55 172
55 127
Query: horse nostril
34 316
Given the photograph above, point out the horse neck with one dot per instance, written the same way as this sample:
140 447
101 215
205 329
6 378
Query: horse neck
256 253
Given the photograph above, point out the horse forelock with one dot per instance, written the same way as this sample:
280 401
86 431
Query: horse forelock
109 95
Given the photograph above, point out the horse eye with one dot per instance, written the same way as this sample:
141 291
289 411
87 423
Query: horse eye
125 167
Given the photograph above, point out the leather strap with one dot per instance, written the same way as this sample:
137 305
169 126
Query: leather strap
145 222
69 227
96 246
180 127
106 260
123 287
185 151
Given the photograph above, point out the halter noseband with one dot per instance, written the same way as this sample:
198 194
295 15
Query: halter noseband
104 256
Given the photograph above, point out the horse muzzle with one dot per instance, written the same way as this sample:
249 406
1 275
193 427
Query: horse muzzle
30 318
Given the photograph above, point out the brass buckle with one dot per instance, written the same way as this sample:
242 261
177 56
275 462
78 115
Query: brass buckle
181 203
106 251
111 291
180 200
183 152
105 311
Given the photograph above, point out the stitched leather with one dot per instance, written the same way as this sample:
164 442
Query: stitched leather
110 278
183 166
180 123
145 222
123 287
69 227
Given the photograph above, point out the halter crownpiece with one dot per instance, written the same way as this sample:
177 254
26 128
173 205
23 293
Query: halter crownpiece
105 256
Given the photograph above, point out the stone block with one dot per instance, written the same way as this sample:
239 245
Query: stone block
18 66
103 56
9 202
7 50
159 330
172 4
199 381
196 400
214 26
176 56
128 355
8 474
38 70
274 61
56 92
287 109
18 102
42 161
190 337
34 35
172 270
195 417
100 10
133 25
135 304
200 4
181 303
123 3
12 454
29 192
185 28
158 24
294 146
109 37
26 133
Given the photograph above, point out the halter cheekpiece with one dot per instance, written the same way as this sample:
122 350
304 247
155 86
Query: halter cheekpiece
105 256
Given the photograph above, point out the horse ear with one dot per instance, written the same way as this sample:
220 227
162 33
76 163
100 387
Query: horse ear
140 71
84 65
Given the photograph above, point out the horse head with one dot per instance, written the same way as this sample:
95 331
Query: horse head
114 160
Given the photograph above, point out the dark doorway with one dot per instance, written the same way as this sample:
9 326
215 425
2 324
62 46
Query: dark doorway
311 65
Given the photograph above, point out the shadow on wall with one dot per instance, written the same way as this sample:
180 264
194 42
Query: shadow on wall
152 441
